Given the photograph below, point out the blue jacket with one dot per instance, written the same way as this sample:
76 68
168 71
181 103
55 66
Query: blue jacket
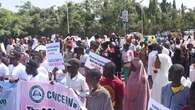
174 101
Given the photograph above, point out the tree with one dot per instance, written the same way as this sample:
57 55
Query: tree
163 6
174 4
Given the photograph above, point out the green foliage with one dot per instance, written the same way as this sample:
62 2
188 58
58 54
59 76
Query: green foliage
95 16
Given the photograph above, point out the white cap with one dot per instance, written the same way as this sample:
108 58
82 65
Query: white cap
41 47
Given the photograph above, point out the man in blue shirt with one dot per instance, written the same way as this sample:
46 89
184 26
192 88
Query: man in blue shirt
175 95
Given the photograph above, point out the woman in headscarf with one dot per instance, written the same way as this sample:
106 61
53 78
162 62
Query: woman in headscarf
137 89
162 64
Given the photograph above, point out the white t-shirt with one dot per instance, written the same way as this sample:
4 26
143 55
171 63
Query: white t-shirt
20 72
42 70
41 77
10 67
45 64
77 83
151 59
4 70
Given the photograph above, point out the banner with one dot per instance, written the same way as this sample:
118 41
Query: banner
96 61
153 105
38 96
53 48
44 96
55 61
8 96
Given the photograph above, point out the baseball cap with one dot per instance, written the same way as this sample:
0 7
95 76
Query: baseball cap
72 62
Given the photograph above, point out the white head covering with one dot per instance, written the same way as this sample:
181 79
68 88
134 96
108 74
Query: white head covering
166 63
41 47
165 50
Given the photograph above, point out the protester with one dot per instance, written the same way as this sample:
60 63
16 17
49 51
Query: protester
10 46
4 70
44 61
94 46
99 98
16 68
137 89
68 52
175 95
113 84
114 55
143 54
166 49
161 78
191 105
33 74
26 59
178 58
37 57
151 58
75 80
186 62
127 56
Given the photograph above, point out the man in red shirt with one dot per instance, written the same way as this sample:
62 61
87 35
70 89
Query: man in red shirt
113 84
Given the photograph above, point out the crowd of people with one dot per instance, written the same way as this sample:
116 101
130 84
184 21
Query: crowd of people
162 69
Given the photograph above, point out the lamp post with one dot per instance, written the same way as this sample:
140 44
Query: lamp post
68 25
142 15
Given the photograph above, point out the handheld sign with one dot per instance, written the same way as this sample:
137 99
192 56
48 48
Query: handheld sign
8 95
53 48
55 61
96 61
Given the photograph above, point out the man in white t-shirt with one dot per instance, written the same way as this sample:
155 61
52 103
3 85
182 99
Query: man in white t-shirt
18 69
33 74
151 58
75 80
43 62
4 70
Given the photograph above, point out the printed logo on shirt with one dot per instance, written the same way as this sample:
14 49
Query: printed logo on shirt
36 94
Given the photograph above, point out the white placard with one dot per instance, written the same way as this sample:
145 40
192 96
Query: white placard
154 105
53 48
55 60
96 61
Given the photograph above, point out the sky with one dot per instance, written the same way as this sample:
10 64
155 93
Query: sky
188 3
10 4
